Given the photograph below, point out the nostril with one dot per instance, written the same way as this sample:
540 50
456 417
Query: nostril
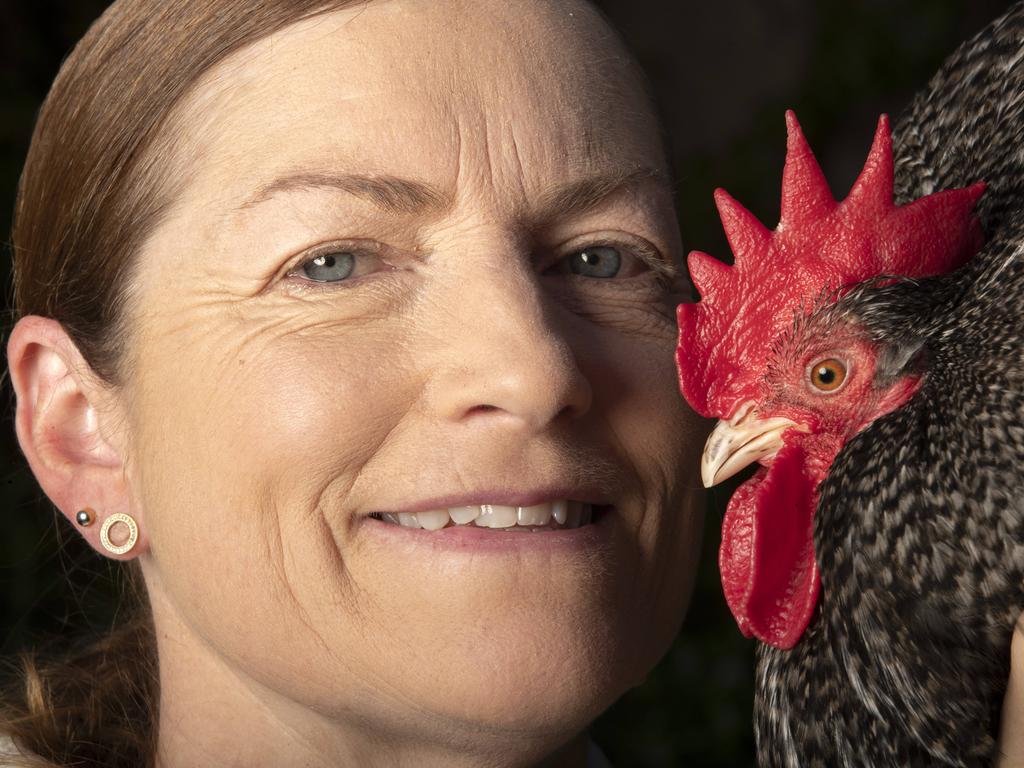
483 407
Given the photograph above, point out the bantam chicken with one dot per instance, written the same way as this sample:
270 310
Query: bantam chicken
868 355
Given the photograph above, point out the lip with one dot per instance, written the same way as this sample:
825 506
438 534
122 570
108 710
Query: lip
472 539
525 498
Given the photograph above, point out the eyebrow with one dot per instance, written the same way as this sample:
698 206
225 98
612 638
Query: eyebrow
406 196
389 193
587 194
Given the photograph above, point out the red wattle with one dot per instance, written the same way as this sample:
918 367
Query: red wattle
769 573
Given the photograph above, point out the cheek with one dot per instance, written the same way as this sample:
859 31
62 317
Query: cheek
838 411
793 396
242 445
842 411
296 406
663 439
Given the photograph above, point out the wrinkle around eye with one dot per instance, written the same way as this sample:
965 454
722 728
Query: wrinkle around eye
285 316
643 325
646 287
647 312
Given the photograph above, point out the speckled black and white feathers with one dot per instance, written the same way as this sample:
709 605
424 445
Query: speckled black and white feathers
919 531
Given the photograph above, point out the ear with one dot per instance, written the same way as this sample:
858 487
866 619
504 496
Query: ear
901 357
70 429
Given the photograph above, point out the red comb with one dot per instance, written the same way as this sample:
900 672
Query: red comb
819 245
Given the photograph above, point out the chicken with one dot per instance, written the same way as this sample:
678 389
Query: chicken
869 356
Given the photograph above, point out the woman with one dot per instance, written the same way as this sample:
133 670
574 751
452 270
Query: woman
349 328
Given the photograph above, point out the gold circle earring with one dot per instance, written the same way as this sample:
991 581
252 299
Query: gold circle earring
133 533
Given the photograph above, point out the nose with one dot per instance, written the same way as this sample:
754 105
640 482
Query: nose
503 350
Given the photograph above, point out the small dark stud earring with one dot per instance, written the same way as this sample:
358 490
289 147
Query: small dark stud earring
86 516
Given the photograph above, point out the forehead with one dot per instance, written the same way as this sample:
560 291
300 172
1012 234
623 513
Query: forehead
475 97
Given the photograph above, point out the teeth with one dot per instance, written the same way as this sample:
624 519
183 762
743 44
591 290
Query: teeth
434 520
539 514
463 515
496 516
560 513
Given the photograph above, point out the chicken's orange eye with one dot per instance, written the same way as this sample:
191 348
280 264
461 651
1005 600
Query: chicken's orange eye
828 375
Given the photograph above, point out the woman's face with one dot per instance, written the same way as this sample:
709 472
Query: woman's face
415 256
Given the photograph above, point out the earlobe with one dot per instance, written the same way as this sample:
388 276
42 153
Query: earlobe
62 409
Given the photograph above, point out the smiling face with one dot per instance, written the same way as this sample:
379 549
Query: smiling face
417 254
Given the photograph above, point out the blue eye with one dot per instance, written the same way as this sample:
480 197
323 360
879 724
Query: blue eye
596 261
328 267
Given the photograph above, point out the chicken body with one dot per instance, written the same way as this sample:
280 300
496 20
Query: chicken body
919 528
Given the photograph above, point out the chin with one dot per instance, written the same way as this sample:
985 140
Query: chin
531 672
546 698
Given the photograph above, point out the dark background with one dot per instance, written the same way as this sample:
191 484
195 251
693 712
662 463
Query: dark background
723 73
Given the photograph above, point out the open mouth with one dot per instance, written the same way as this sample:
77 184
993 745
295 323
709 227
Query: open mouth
551 516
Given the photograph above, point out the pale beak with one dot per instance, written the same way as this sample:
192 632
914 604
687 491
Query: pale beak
739 442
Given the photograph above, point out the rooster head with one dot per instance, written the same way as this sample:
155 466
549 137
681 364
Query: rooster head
791 381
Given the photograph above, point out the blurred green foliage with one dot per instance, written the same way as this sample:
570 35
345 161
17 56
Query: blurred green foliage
723 73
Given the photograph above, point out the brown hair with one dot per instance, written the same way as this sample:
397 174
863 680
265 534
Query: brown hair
95 184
